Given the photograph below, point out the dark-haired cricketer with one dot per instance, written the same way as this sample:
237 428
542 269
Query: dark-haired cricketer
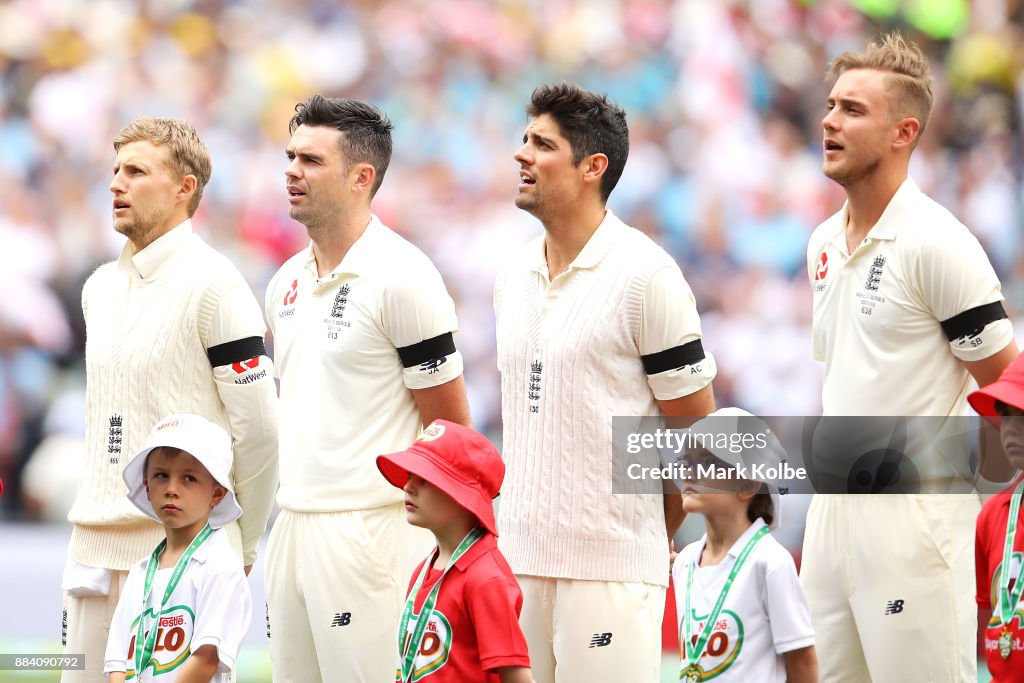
594 320
363 335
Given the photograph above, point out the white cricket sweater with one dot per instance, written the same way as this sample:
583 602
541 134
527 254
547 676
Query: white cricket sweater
146 343
569 362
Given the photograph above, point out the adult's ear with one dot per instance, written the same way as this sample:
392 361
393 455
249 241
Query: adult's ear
907 130
594 167
187 188
362 177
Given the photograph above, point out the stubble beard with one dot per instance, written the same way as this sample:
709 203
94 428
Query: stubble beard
139 226
852 173
315 220
529 204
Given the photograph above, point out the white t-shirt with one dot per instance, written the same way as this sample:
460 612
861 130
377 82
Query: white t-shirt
211 605
764 616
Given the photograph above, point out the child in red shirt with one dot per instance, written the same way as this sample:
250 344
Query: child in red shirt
999 540
450 475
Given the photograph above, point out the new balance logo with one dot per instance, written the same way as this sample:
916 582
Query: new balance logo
601 639
342 619
893 607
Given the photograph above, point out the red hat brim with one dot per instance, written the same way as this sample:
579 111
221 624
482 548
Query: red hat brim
396 468
1009 389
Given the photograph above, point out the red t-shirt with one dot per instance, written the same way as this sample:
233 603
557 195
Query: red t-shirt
474 629
990 534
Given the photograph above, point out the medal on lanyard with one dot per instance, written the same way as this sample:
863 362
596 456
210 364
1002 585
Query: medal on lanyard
1004 644
1007 598
408 648
144 644
691 652
690 675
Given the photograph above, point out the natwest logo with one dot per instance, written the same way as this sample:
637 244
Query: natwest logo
244 366
822 272
292 294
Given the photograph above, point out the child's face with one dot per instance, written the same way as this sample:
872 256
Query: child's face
1011 432
709 495
430 507
181 490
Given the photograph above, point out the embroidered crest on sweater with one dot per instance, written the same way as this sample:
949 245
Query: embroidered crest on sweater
114 438
536 368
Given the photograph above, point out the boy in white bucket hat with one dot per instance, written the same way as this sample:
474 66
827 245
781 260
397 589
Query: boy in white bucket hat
183 611
742 613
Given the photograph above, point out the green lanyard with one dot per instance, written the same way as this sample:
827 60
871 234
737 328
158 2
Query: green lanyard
144 651
409 648
692 652
1007 599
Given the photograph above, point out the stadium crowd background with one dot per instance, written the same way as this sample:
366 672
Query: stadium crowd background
724 101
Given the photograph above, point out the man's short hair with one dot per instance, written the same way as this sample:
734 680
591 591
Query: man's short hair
909 85
365 130
188 154
590 122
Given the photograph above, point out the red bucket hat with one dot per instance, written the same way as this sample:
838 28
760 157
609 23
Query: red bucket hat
1009 389
456 459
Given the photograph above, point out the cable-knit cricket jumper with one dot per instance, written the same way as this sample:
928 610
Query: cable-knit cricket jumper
146 357
569 362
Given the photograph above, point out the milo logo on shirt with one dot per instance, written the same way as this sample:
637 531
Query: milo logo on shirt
435 646
1016 559
723 646
173 637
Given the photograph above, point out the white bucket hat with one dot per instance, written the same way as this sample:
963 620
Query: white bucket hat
738 421
204 441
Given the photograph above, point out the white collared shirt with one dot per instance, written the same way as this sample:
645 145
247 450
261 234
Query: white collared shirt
668 314
608 337
345 394
152 318
877 311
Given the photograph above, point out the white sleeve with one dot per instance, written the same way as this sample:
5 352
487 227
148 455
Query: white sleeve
223 613
419 319
786 605
961 289
115 658
670 338
244 377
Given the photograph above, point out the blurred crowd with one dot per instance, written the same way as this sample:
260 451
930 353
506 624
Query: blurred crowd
724 99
